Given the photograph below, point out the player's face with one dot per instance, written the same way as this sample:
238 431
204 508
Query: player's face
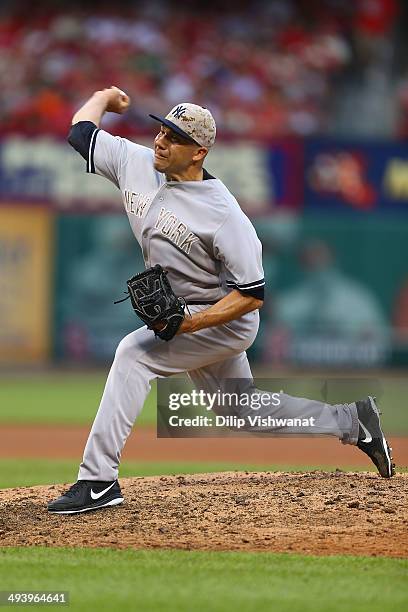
173 154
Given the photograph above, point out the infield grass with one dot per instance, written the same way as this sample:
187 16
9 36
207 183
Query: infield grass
181 581
73 397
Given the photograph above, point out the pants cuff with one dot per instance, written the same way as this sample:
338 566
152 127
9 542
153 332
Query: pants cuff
351 437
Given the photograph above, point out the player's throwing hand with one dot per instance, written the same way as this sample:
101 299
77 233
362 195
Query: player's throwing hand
117 100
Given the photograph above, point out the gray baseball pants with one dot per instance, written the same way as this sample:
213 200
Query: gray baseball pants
210 356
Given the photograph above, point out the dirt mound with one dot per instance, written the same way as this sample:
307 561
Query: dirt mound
316 512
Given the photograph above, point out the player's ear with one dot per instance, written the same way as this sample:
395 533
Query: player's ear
200 154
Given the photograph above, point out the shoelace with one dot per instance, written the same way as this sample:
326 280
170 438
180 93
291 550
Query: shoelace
75 487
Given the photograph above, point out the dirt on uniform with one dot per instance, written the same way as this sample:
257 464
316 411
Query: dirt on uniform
314 513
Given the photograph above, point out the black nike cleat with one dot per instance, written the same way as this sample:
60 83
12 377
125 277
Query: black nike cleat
87 495
371 439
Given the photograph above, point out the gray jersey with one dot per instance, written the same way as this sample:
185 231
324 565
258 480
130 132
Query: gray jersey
194 229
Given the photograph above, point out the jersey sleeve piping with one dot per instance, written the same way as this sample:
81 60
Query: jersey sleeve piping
246 286
255 289
91 164
257 292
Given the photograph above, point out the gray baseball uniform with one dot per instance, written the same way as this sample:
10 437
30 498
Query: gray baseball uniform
197 231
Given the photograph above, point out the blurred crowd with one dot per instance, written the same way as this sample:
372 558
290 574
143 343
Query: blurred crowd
265 68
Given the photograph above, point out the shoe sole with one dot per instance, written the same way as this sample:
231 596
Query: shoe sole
112 502
386 448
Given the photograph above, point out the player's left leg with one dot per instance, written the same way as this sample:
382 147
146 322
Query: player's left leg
267 412
356 423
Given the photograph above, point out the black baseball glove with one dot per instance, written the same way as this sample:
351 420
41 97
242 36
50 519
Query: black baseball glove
154 301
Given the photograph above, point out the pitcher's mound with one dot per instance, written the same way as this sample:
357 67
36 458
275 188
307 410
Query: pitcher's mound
315 512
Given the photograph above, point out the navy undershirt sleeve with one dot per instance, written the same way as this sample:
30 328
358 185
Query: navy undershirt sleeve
258 293
80 138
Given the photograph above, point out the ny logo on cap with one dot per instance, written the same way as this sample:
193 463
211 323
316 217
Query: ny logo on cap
179 111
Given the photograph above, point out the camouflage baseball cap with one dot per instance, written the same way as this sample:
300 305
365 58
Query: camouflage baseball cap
191 121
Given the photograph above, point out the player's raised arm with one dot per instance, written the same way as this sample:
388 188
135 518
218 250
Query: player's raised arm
112 100
104 154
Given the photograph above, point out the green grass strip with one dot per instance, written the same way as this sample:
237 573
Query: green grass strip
182 581
71 398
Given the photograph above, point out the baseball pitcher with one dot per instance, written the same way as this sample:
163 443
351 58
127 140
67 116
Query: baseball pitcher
200 252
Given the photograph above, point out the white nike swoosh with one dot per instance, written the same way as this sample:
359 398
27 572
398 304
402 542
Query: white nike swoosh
368 437
98 495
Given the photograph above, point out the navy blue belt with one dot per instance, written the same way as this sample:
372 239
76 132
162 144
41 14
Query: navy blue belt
201 303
